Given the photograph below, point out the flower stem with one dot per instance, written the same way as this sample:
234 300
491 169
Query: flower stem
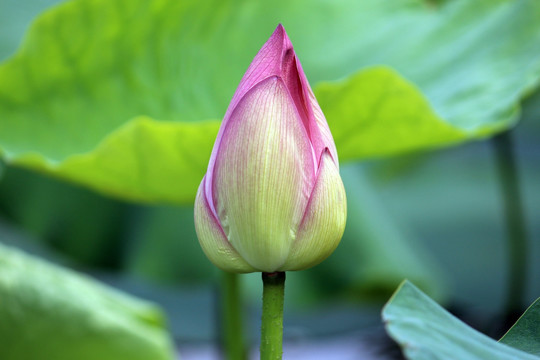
272 316
231 327
515 223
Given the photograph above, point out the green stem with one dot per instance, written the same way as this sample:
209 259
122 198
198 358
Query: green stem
232 329
515 223
272 316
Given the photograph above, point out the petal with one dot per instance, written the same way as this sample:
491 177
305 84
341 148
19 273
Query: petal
212 239
319 132
285 63
263 175
267 63
277 58
324 221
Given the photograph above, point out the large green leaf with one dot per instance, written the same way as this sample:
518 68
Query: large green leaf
426 331
144 160
51 313
376 112
78 98
525 334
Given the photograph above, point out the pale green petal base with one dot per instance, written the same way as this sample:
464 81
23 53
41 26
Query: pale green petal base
263 176
324 221
212 239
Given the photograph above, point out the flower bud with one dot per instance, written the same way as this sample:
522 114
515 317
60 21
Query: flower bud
272 198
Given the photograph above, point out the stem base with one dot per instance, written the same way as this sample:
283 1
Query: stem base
272 316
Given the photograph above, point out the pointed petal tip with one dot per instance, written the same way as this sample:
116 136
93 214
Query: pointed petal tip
280 29
278 33
281 34
326 151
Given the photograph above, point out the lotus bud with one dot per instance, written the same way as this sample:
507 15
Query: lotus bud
272 198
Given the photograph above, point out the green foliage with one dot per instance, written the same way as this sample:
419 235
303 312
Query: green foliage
374 256
145 161
123 97
525 334
51 313
74 221
378 113
426 331
85 96
164 247
15 15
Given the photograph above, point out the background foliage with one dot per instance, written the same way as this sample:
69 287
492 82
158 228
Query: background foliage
123 98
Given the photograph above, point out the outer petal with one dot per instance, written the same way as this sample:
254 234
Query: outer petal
267 63
324 222
306 104
212 239
320 135
277 58
263 175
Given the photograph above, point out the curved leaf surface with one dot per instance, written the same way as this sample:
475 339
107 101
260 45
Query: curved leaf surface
426 331
525 334
390 117
49 312
89 67
144 160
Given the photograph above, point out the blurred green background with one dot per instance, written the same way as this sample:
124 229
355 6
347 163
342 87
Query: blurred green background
416 210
